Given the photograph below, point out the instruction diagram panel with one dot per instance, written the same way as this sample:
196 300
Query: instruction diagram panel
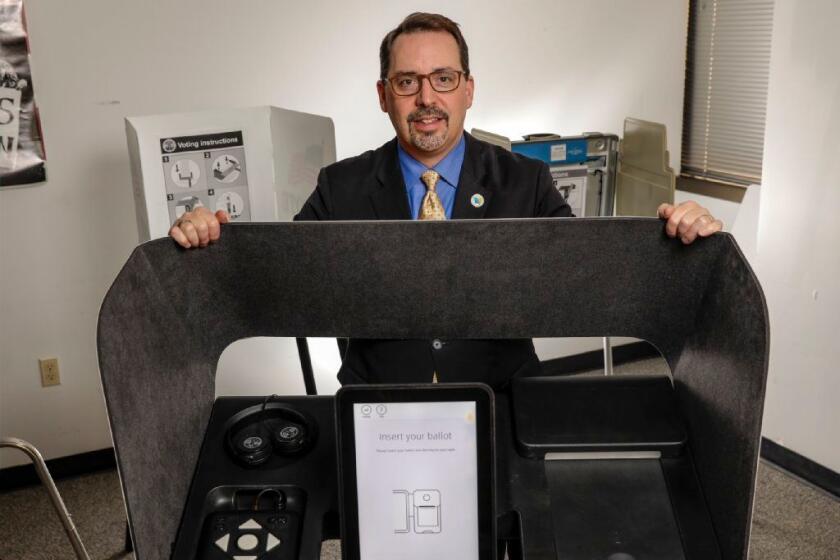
417 480
206 170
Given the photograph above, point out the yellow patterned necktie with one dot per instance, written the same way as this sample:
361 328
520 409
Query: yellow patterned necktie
431 208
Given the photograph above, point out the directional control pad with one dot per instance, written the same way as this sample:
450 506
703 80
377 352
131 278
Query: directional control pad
251 538
261 524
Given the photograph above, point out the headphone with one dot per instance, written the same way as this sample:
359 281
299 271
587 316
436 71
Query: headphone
284 431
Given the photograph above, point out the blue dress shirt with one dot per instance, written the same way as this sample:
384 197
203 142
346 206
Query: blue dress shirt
449 169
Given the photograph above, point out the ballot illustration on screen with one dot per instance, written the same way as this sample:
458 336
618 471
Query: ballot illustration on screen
418 511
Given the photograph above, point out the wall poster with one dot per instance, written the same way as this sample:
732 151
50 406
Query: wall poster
22 156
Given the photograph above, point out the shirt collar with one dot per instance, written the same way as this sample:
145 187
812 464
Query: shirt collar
449 167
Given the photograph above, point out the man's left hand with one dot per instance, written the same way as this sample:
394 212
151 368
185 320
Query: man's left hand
688 220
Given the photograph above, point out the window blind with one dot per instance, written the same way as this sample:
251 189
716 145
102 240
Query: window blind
727 70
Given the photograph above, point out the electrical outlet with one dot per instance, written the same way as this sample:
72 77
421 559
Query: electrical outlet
49 372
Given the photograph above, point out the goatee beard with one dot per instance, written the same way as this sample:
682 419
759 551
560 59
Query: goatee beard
427 142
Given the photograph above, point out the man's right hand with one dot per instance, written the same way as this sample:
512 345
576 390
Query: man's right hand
198 228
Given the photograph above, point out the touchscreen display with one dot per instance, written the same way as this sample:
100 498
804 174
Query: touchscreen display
417 480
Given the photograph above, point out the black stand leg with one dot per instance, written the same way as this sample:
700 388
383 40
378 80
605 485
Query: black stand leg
129 546
306 367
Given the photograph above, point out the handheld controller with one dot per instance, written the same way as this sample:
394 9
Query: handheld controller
264 524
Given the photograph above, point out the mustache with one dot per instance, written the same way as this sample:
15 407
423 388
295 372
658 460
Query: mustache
427 112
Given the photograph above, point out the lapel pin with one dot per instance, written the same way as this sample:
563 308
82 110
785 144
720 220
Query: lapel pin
477 200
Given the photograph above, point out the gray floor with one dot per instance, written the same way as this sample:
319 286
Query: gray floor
793 521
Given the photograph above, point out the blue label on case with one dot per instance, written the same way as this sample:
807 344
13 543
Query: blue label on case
553 151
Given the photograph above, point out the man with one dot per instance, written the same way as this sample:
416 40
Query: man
434 170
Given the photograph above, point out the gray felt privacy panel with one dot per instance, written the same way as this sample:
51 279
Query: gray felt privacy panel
170 313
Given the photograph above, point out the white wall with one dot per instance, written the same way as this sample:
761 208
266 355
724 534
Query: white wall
548 65
798 257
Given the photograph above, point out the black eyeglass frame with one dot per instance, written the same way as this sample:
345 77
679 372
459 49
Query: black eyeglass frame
421 77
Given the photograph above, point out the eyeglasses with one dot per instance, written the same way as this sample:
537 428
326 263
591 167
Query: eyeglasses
442 81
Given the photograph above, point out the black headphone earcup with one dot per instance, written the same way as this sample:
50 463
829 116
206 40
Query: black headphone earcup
289 438
251 448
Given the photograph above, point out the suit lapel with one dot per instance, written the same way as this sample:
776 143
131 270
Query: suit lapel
390 201
471 198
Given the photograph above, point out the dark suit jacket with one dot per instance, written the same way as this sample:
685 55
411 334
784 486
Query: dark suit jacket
371 187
